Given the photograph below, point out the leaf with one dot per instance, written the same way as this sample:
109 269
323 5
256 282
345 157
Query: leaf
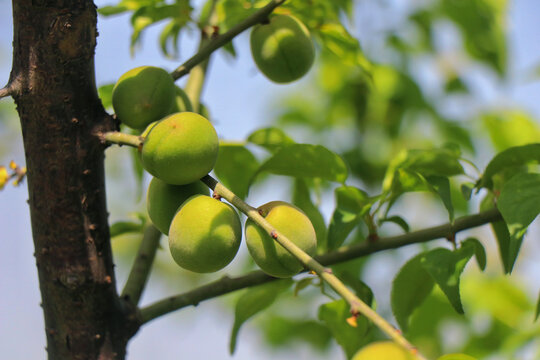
445 267
410 288
510 158
270 138
306 160
441 186
124 227
398 220
508 249
519 203
334 315
466 190
105 94
235 166
253 301
510 128
351 205
479 251
302 199
361 289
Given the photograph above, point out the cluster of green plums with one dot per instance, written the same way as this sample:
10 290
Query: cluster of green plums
180 147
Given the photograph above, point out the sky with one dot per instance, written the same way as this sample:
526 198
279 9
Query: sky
241 101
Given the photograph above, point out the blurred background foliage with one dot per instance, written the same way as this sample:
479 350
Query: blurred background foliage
389 78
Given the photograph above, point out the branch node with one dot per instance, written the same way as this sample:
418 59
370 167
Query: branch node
274 234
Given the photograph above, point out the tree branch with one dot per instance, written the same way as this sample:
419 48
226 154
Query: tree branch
223 39
120 138
227 285
142 265
5 92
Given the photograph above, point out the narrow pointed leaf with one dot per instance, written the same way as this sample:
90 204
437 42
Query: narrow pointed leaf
235 167
479 251
445 267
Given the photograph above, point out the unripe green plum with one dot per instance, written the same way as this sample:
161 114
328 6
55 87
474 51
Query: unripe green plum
282 48
271 257
181 101
383 350
180 149
205 234
143 95
163 200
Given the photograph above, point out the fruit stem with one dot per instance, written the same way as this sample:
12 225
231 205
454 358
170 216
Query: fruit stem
142 265
223 39
357 305
120 138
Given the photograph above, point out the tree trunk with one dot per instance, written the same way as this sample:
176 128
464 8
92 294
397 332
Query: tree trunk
53 84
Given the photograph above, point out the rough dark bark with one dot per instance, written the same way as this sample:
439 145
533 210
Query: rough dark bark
52 82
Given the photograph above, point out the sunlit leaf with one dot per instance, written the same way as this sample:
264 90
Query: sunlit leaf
510 158
281 331
123 227
235 167
105 94
306 160
456 357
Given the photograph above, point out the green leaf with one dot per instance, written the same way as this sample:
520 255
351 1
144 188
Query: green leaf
432 162
334 315
441 186
511 128
445 267
124 227
112 10
510 158
302 199
253 301
398 220
508 249
105 94
519 203
361 289
351 205
479 251
410 288
466 190
456 357
235 166
306 160
270 138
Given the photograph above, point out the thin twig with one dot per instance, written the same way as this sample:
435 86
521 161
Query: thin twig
219 41
5 92
142 265
120 138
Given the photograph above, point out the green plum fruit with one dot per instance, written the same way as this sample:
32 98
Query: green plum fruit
282 48
163 200
181 101
143 95
271 257
180 149
383 350
205 234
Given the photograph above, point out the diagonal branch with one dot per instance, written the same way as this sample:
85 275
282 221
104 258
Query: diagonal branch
142 265
221 40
